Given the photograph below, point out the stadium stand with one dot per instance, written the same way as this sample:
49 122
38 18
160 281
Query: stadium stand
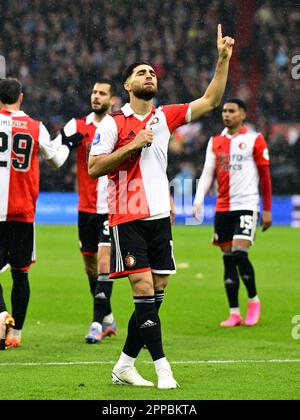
57 47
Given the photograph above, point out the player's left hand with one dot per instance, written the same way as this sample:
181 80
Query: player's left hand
266 220
72 142
225 45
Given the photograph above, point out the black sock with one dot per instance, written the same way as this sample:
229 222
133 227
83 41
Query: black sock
93 284
159 297
102 296
232 281
149 325
2 303
246 271
20 297
134 341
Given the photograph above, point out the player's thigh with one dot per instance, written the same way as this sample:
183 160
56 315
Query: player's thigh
224 226
3 244
245 228
21 244
129 250
160 246
104 244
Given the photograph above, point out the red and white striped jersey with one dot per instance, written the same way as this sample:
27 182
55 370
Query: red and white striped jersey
139 187
21 138
236 160
92 193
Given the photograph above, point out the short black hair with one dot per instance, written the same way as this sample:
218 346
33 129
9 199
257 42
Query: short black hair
113 88
241 104
10 90
129 70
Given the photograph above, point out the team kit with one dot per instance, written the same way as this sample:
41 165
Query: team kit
124 224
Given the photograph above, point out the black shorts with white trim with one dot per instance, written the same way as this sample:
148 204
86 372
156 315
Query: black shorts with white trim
240 224
93 232
17 245
142 245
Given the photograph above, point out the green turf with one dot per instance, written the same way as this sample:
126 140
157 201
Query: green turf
60 310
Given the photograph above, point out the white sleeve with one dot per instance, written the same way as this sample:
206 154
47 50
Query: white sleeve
105 138
70 128
54 155
207 176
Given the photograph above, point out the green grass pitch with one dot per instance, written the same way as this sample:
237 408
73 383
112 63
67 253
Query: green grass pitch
265 357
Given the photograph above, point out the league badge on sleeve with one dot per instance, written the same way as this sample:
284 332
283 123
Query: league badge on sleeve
97 139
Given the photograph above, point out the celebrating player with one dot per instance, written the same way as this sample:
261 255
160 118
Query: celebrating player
21 138
240 159
92 213
131 146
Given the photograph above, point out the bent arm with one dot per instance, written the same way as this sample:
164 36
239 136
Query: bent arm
105 163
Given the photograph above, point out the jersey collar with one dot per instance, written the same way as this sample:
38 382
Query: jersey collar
243 130
90 118
128 111
12 113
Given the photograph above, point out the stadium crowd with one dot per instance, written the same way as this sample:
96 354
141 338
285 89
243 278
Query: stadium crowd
56 48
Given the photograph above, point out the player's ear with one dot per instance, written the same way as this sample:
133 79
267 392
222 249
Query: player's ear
127 87
21 97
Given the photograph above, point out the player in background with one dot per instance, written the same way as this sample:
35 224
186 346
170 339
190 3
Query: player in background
21 138
93 226
131 146
240 159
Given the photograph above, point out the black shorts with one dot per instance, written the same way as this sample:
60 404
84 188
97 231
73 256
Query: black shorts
141 246
17 247
232 225
93 232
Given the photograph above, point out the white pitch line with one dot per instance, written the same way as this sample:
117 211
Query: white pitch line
175 362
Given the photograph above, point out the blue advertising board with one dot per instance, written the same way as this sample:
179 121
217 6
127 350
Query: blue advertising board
61 208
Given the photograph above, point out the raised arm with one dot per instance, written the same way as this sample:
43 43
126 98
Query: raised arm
215 91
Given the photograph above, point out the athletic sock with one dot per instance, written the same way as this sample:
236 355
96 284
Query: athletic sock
93 284
125 361
134 341
235 311
108 319
254 300
20 297
2 303
231 278
149 325
102 296
246 271
159 297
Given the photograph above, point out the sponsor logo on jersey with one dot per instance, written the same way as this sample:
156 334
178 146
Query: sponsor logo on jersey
97 139
130 261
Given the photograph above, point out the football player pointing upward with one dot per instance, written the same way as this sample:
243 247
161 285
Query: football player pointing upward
131 147
240 159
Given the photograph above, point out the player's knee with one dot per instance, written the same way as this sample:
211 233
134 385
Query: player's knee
142 286
160 281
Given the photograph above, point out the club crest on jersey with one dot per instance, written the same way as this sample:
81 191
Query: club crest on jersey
130 261
155 121
97 139
242 146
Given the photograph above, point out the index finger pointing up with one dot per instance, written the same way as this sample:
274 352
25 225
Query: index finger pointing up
220 36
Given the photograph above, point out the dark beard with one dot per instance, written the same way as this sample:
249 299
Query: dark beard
102 110
144 94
